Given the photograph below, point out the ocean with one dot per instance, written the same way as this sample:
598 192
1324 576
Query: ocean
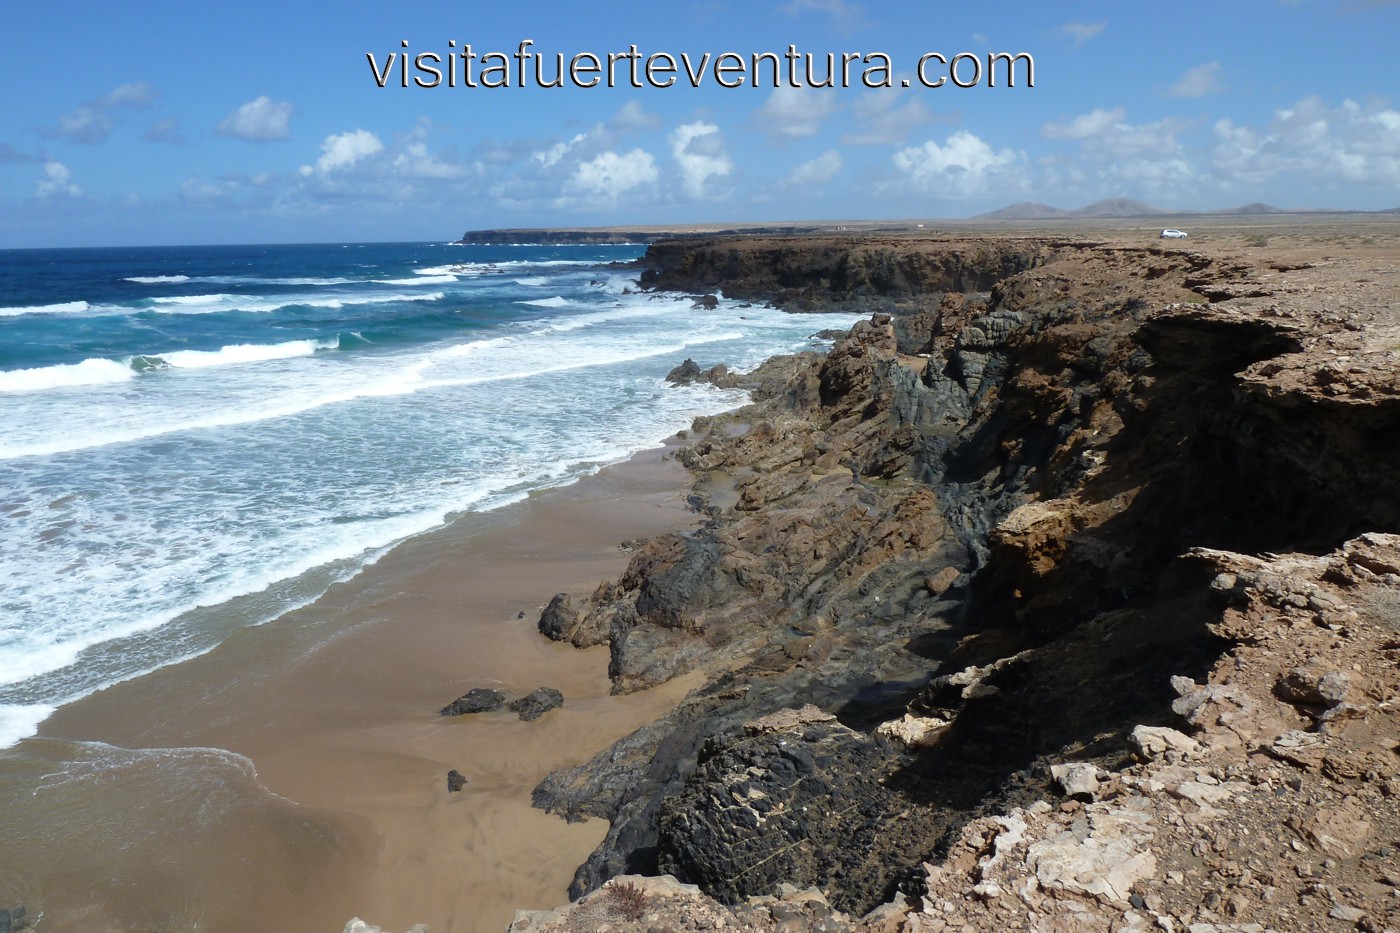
194 440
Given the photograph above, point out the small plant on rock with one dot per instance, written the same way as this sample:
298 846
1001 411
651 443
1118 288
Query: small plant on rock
627 899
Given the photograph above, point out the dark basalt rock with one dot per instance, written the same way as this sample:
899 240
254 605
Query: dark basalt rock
536 704
804 807
455 781
558 618
475 700
1005 468
689 371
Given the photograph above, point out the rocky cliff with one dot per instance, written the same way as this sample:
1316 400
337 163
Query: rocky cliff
1025 517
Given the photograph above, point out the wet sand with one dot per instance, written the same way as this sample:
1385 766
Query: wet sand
304 777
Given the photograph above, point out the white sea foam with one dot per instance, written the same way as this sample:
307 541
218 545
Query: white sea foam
222 303
21 721
156 279
259 280
504 266
65 307
242 353
263 484
420 280
555 302
90 372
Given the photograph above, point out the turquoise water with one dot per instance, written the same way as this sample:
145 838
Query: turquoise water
190 436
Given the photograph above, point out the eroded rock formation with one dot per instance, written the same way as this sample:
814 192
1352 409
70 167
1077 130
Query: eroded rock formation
1005 526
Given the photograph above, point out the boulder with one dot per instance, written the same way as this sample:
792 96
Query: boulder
1156 741
536 704
1077 779
686 372
558 618
475 700
455 781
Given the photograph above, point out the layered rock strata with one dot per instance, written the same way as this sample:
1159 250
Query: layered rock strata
988 601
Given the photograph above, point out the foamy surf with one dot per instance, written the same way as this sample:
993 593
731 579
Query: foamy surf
62 307
155 495
90 372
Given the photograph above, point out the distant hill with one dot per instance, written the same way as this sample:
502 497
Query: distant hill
1117 207
1112 207
1025 210
1255 208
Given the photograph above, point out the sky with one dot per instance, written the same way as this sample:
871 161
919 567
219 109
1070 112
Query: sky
159 123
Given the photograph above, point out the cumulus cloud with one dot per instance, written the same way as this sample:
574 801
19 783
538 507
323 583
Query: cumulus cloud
698 149
57 181
964 166
415 161
340 151
260 120
1080 33
1199 81
818 171
609 175
1106 133
1146 157
794 113
1312 141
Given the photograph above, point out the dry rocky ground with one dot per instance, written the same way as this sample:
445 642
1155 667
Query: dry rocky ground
1063 594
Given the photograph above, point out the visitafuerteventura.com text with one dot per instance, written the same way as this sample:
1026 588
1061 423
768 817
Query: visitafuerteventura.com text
465 67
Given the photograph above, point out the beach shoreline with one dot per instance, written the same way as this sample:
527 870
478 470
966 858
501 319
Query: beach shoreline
335 706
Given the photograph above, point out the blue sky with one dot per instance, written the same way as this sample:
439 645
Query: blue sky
162 123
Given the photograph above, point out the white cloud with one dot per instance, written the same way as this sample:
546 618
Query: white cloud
963 166
344 150
260 120
881 120
1315 143
1199 81
1085 126
793 113
1080 33
1114 155
135 94
818 171
610 175
83 125
550 157
633 116
92 123
57 180
415 161
698 149
1105 133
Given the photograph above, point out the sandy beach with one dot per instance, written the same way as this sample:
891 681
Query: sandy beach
302 772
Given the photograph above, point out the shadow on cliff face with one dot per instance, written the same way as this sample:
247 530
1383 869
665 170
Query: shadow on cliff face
1087 595
1077 443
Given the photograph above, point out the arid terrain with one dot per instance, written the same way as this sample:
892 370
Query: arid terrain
1062 594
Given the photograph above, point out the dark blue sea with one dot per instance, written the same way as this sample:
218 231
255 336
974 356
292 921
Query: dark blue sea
197 439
